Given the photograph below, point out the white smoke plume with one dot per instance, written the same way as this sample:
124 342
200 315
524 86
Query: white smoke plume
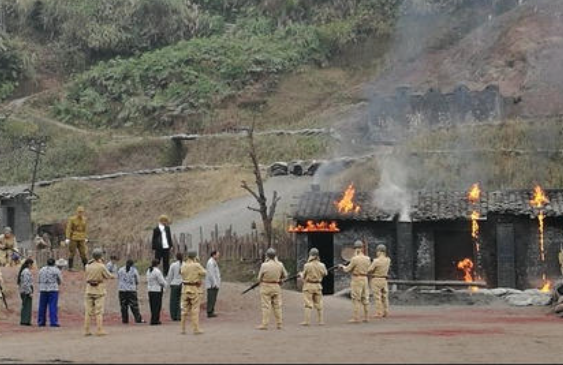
392 195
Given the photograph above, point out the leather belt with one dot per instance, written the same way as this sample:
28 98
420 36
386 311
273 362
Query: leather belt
360 275
191 284
313 282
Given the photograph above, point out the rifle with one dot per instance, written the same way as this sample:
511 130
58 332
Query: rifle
4 298
293 277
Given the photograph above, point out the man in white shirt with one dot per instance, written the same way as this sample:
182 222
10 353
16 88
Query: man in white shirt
212 283
174 280
162 242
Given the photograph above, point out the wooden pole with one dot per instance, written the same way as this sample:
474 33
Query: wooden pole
479 284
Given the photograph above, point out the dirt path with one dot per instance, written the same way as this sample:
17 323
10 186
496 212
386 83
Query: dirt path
234 212
444 334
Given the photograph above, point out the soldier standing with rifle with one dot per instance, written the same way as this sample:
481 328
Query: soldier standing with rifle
77 237
379 270
96 274
359 266
313 274
192 276
271 275
8 246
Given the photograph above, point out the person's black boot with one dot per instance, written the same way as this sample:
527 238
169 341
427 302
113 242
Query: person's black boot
70 264
84 263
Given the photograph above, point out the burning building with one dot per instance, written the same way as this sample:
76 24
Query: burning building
494 236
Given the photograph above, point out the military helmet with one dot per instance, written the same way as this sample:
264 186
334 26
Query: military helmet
7 230
97 253
314 252
358 244
381 248
192 254
80 209
271 253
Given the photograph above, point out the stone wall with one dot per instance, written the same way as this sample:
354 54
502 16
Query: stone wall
394 116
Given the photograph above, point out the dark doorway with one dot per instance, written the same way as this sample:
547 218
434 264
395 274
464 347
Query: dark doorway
450 248
11 219
324 242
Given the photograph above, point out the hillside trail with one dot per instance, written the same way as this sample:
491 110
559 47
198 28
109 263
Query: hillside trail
234 213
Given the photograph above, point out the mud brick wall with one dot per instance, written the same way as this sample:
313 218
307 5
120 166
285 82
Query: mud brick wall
22 209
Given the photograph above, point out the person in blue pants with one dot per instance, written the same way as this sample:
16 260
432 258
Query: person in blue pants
49 280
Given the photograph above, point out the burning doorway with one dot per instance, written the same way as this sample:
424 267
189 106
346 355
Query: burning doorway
324 242
451 247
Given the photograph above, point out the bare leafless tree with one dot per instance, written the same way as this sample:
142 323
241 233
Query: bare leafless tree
267 213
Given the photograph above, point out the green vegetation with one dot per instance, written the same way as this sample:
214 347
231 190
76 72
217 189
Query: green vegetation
12 66
83 32
71 153
181 85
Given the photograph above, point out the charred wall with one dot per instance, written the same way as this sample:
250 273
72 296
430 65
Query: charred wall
509 248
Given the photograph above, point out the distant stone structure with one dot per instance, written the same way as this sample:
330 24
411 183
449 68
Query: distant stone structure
391 117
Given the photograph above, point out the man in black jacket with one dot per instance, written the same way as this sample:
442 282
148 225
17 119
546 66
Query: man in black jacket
162 242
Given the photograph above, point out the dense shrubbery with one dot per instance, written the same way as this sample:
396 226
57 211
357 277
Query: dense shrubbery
85 31
11 66
183 82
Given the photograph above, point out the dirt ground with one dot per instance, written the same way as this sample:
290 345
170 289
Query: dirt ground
419 334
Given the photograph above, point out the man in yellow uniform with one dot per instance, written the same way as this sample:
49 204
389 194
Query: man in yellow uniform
96 274
313 274
379 270
8 246
192 276
271 275
359 266
77 237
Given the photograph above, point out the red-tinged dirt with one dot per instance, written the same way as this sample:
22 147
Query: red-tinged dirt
419 334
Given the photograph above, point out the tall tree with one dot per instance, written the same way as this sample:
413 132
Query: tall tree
266 212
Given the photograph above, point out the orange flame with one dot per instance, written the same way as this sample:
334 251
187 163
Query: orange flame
541 227
474 194
540 199
346 204
466 265
475 227
546 288
311 226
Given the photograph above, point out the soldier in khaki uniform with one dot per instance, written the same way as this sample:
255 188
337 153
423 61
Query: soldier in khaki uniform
379 270
192 276
359 266
96 274
77 237
271 275
313 274
8 245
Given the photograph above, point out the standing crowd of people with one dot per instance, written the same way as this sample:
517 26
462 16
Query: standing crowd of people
186 279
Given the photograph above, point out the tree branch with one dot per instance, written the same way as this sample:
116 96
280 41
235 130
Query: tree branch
275 200
254 209
245 186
